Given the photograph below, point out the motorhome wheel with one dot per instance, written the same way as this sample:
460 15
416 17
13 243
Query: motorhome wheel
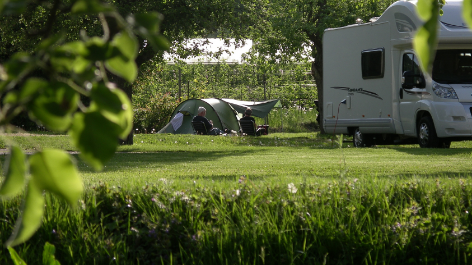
361 140
427 137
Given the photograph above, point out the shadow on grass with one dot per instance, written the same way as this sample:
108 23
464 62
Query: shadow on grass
433 151
132 160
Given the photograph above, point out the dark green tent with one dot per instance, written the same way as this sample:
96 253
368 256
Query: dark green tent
223 113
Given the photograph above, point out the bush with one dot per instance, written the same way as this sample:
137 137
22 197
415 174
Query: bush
153 112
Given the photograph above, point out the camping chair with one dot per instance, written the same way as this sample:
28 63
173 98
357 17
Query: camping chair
199 127
248 127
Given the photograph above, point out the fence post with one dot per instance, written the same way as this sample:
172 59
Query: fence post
180 84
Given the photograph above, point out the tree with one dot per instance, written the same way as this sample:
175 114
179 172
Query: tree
184 20
48 81
288 27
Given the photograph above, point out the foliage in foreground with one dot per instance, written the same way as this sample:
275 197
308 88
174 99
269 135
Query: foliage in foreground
355 221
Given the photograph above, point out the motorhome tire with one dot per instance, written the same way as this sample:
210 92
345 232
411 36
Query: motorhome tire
427 137
361 140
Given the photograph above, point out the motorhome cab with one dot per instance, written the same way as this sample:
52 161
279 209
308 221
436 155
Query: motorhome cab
374 89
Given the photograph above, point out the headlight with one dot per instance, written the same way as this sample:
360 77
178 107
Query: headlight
444 91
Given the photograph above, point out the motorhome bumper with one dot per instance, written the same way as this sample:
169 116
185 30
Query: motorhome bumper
376 125
452 119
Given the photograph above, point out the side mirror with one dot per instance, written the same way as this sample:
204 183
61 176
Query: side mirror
411 80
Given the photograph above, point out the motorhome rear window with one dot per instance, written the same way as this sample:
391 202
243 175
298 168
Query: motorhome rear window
373 63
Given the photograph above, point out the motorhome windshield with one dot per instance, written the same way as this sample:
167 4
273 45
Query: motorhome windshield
453 67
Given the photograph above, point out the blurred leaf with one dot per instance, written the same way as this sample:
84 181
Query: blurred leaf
158 42
54 106
425 41
31 216
69 57
99 50
115 105
127 44
15 257
467 12
123 67
13 7
425 9
18 65
95 136
123 64
31 88
147 26
54 171
48 255
50 42
90 6
11 98
149 21
15 173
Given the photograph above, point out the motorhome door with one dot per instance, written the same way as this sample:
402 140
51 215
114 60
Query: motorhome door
411 90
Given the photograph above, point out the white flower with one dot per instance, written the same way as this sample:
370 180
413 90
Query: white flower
292 188
238 192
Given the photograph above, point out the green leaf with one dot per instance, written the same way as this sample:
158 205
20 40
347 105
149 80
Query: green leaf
54 106
425 9
18 65
31 216
123 64
82 7
15 173
48 255
15 257
158 42
149 21
115 105
127 44
123 67
54 171
50 42
467 12
425 43
147 26
99 50
31 88
69 57
95 136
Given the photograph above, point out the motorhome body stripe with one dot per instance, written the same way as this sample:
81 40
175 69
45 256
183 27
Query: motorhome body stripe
416 92
359 90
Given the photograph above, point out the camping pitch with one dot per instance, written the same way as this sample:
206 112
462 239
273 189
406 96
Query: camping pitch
223 112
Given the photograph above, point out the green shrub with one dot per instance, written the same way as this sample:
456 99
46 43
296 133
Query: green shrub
153 112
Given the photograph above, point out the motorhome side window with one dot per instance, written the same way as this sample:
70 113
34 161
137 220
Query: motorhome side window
411 71
372 63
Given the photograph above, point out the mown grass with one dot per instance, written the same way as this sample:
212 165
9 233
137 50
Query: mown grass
276 199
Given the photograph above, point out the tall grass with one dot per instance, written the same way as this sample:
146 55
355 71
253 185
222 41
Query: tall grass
353 221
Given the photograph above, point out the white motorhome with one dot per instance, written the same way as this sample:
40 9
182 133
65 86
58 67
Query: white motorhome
374 89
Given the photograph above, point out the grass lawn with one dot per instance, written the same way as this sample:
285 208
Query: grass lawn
279 199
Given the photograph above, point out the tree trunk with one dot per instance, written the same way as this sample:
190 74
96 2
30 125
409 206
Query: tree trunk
317 72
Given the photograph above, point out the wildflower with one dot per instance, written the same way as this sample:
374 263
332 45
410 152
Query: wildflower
153 199
292 188
238 192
